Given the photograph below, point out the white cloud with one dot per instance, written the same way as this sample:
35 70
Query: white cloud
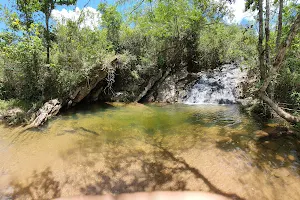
238 8
91 17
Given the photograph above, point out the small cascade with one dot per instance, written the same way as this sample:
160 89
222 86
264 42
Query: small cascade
218 86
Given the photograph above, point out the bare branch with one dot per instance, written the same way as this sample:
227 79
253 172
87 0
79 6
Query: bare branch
137 6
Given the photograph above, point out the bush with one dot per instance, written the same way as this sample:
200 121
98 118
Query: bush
221 43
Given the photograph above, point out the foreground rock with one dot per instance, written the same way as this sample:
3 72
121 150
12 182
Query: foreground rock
273 132
49 109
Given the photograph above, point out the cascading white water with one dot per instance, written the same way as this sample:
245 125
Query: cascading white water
217 86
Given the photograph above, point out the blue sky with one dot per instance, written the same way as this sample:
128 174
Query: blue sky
238 9
80 4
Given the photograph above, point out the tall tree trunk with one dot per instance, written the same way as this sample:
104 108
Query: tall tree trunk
267 47
267 32
279 26
260 40
278 38
277 64
47 16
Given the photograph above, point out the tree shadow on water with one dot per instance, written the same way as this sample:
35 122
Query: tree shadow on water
274 152
138 171
39 186
151 167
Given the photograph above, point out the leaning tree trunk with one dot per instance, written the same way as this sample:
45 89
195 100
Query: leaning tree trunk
275 68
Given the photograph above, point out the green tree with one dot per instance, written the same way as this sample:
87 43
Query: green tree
29 7
46 6
111 20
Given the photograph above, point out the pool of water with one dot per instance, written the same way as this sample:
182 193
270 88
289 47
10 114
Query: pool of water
116 148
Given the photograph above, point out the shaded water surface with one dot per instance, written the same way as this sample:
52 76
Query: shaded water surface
130 148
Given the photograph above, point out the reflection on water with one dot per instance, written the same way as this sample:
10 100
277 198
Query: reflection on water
129 148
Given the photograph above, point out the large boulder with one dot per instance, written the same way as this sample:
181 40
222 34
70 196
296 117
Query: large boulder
49 109
86 86
52 107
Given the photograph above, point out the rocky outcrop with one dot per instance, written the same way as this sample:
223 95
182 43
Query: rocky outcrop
52 107
175 87
150 85
218 86
131 84
85 88
49 109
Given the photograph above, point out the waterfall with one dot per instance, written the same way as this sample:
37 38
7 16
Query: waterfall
218 86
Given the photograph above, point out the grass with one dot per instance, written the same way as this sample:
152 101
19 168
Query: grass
8 104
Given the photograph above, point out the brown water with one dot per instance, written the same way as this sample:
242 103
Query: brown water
115 149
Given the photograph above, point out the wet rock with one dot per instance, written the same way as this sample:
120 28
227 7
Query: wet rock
273 132
260 134
291 158
279 158
220 86
281 173
175 87
246 103
272 125
167 91
225 101
276 131
226 140
271 145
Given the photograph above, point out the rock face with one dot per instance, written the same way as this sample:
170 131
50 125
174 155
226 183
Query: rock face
219 86
175 87
49 109
131 84
86 86
224 85
150 85
52 107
